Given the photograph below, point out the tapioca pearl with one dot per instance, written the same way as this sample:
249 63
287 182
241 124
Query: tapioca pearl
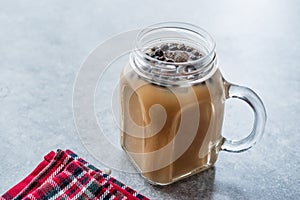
173 47
181 47
164 47
150 53
159 53
189 49
196 53
180 59
170 55
193 57
181 56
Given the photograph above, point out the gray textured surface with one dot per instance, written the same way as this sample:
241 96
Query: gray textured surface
43 43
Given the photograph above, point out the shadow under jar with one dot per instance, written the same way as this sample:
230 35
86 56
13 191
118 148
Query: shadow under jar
172 104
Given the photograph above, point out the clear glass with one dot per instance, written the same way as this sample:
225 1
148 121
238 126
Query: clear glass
172 117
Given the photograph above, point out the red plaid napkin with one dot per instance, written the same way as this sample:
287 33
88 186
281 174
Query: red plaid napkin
64 175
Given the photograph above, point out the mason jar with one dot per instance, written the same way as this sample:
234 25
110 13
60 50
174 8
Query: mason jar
172 104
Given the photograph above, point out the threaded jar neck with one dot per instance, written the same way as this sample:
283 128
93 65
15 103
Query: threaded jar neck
174 54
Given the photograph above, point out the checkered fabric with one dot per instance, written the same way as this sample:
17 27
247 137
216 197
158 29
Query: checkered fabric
64 175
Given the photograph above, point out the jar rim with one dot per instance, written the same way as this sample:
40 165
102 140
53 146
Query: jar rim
180 26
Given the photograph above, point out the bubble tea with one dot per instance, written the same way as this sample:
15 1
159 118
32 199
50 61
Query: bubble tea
172 104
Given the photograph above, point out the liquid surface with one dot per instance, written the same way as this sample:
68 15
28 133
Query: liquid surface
174 52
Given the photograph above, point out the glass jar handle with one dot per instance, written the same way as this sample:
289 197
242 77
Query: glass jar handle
260 117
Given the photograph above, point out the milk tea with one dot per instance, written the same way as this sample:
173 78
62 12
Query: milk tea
202 106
